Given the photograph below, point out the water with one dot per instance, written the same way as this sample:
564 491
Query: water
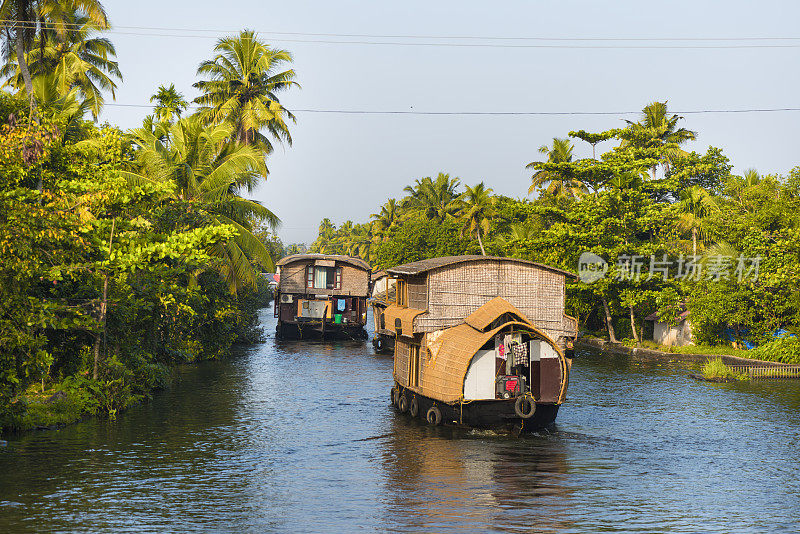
300 437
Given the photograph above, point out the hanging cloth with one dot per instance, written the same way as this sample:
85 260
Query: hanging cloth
341 304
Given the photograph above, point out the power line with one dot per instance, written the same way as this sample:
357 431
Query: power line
412 36
490 45
345 38
500 113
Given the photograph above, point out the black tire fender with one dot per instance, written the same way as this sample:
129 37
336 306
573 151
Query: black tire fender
434 416
520 408
402 403
413 407
394 396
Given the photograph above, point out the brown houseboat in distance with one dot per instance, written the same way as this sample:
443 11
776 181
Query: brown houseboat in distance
321 295
479 341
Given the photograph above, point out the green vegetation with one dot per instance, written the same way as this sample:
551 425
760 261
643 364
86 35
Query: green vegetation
717 370
785 349
122 253
679 232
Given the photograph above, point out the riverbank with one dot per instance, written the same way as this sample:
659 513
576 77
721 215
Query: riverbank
652 354
77 397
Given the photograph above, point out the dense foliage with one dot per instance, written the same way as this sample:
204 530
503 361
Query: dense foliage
677 230
121 253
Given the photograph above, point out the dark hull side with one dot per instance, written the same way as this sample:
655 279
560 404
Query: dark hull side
492 415
316 331
383 343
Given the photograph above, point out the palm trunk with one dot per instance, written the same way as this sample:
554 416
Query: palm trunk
694 242
633 327
23 66
612 337
480 242
103 307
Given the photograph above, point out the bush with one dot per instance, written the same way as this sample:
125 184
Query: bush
784 349
717 369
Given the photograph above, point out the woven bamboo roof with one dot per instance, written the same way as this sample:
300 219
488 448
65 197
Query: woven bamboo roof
406 316
355 262
489 312
444 376
423 266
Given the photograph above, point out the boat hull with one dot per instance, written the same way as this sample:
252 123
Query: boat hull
496 415
317 330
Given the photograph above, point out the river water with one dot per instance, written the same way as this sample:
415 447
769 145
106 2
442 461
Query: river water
300 437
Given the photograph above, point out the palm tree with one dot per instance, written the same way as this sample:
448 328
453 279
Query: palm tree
326 234
519 232
210 171
557 182
657 129
386 219
75 58
169 103
695 207
24 20
361 237
244 79
435 199
476 211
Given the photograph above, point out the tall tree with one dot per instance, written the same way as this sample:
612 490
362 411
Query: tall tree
386 219
657 131
75 59
206 168
557 183
435 199
244 79
476 211
23 20
169 103
695 209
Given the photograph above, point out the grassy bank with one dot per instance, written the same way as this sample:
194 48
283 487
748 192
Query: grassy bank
716 369
782 350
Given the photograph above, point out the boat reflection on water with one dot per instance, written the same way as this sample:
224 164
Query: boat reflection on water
439 477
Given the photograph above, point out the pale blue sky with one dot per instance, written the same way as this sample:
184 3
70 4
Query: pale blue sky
345 166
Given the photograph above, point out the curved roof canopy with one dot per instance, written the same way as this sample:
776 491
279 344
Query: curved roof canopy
423 266
356 262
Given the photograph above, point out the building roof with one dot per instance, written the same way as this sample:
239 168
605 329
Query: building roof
423 266
356 262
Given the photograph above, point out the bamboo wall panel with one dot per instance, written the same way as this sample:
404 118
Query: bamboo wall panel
293 278
401 355
456 291
417 292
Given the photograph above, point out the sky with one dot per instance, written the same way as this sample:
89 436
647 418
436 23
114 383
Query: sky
345 166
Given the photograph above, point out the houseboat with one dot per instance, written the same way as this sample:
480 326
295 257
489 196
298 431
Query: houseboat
381 297
322 295
479 341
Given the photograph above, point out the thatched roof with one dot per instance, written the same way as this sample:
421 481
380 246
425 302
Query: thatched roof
406 316
355 262
422 266
489 312
445 372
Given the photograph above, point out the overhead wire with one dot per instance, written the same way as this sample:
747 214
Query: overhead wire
152 32
497 113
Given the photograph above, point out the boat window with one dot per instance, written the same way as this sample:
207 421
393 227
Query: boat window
323 277
400 291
